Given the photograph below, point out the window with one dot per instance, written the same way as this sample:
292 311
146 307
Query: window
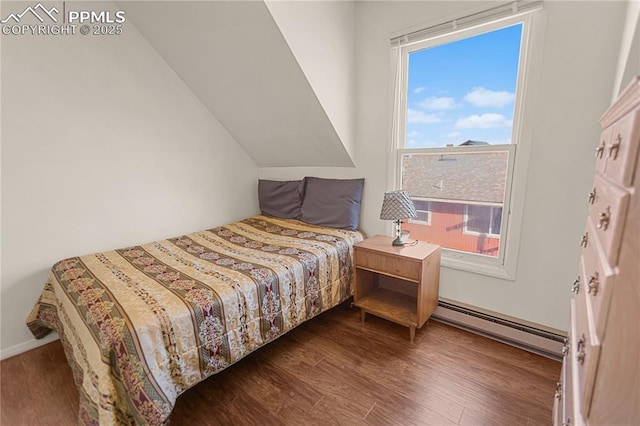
422 208
464 192
457 125
482 220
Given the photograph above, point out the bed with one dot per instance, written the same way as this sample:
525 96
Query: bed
143 324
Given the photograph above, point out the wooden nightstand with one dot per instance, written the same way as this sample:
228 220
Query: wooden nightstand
399 284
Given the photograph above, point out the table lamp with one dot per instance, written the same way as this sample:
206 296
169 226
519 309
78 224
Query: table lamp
397 205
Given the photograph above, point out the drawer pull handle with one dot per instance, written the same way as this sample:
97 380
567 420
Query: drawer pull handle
575 288
565 348
580 348
600 150
580 342
594 283
585 240
615 147
558 394
605 216
592 196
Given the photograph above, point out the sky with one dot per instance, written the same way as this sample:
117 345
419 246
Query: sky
463 90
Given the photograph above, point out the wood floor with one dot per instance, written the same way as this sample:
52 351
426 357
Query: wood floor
330 370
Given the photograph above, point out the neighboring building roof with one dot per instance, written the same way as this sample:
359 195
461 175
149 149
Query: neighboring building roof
476 176
470 142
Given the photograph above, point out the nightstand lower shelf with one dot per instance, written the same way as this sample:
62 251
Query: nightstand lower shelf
390 305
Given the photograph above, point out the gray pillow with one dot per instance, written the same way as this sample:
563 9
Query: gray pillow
281 199
332 202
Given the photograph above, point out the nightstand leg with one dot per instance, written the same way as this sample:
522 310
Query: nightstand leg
412 333
363 314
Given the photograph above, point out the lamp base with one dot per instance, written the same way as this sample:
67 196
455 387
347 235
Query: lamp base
397 242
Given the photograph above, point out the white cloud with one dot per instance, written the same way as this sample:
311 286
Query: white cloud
484 121
413 134
419 89
414 116
438 103
452 135
481 97
411 143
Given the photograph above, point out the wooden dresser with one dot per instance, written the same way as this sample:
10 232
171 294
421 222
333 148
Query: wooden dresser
600 380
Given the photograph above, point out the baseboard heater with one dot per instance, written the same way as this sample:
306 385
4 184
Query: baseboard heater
528 337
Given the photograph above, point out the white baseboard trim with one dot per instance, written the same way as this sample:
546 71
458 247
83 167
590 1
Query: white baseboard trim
27 346
525 336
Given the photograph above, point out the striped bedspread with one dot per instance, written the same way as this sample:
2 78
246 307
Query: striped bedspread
143 324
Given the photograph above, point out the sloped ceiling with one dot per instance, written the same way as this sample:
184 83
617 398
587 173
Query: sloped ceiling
321 35
234 58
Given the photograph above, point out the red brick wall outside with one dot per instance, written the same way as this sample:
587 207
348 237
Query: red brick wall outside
446 229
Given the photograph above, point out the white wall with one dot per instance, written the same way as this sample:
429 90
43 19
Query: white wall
235 59
629 58
574 89
321 35
103 146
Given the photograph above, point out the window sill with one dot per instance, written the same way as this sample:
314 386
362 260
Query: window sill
497 271
481 234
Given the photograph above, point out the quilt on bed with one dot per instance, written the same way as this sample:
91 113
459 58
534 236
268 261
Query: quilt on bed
143 324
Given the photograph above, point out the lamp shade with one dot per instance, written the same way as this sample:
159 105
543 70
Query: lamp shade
397 205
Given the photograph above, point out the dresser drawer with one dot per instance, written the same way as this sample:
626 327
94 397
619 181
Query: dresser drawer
564 395
608 209
573 416
601 150
597 279
558 400
585 349
622 149
394 266
557 413
568 417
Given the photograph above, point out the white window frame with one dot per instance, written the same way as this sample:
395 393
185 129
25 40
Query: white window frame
428 211
489 234
529 66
